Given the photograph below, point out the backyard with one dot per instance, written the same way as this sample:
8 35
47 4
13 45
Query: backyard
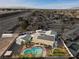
57 52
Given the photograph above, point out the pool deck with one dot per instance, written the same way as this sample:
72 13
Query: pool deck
5 43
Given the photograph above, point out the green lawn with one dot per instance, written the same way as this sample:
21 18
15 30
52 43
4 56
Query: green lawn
58 52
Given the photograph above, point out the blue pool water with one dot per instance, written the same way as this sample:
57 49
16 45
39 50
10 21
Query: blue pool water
27 51
35 51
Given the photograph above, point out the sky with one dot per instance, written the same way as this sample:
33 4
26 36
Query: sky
43 4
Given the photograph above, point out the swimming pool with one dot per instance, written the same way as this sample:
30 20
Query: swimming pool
34 51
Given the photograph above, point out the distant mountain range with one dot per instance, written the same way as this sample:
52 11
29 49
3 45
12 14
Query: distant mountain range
75 8
32 8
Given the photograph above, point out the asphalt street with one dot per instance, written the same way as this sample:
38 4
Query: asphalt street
9 22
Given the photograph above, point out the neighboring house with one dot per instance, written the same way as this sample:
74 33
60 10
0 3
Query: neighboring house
72 35
7 34
72 40
74 47
24 38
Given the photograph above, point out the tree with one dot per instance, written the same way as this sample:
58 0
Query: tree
73 23
20 19
23 23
